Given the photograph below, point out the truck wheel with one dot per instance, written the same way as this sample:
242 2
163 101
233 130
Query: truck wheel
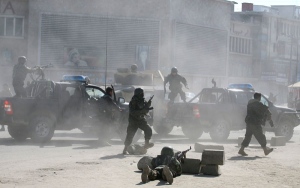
220 131
42 129
192 131
18 133
163 128
286 129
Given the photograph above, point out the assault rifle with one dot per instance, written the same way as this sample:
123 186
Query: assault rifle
148 104
182 155
39 72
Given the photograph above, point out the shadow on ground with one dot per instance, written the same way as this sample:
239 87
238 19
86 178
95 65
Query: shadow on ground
244 158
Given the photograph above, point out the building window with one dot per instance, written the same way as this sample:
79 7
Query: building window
240 45
11 26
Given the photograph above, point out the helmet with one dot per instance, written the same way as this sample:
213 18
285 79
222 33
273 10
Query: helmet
22 59
174 70
167 150
138 91
134 68
146 160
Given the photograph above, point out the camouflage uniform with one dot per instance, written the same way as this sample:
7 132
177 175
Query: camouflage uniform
176 86
257 113
20 72
137 110
160 162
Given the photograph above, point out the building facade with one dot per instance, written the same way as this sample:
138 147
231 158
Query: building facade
80 37
13 35
273 61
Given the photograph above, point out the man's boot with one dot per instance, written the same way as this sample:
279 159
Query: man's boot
168 174
148 144
145 174
242 152
125 150
267 150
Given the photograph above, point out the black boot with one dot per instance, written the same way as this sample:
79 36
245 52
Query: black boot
148 144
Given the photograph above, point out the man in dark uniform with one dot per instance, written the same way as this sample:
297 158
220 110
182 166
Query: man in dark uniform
257 113
175 87
138 108
109 114
165 166
20 72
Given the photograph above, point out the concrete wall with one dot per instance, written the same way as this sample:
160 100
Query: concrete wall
155 9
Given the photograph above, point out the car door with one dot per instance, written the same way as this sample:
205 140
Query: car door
93 95
272 109
240 101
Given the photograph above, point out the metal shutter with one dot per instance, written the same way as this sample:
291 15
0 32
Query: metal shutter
122 36
200 50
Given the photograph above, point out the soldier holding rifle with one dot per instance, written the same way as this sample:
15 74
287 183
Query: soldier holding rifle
20 72
138 108
166 166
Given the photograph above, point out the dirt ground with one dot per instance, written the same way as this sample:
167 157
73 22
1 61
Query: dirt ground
73 160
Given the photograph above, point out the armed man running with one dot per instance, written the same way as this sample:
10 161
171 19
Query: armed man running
138 108
20 72
175 87
257 114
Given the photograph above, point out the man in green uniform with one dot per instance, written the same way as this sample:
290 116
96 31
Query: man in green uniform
138 108
257 113
20 72
166 167
175 80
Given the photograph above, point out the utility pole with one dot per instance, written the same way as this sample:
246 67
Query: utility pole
290 68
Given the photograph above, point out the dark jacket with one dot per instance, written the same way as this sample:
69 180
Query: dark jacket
171 162
175 81
108 106
19 74
137 109
256 112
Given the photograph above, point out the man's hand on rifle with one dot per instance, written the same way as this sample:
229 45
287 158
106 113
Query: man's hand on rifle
182 155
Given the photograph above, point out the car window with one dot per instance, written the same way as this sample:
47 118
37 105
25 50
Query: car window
211 97
70 90
94 92
241 98
264 100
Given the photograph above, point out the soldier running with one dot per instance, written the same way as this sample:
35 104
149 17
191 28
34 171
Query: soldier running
175 87
138 108
257 113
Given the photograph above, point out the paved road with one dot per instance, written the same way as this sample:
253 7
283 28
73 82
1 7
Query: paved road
72 159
